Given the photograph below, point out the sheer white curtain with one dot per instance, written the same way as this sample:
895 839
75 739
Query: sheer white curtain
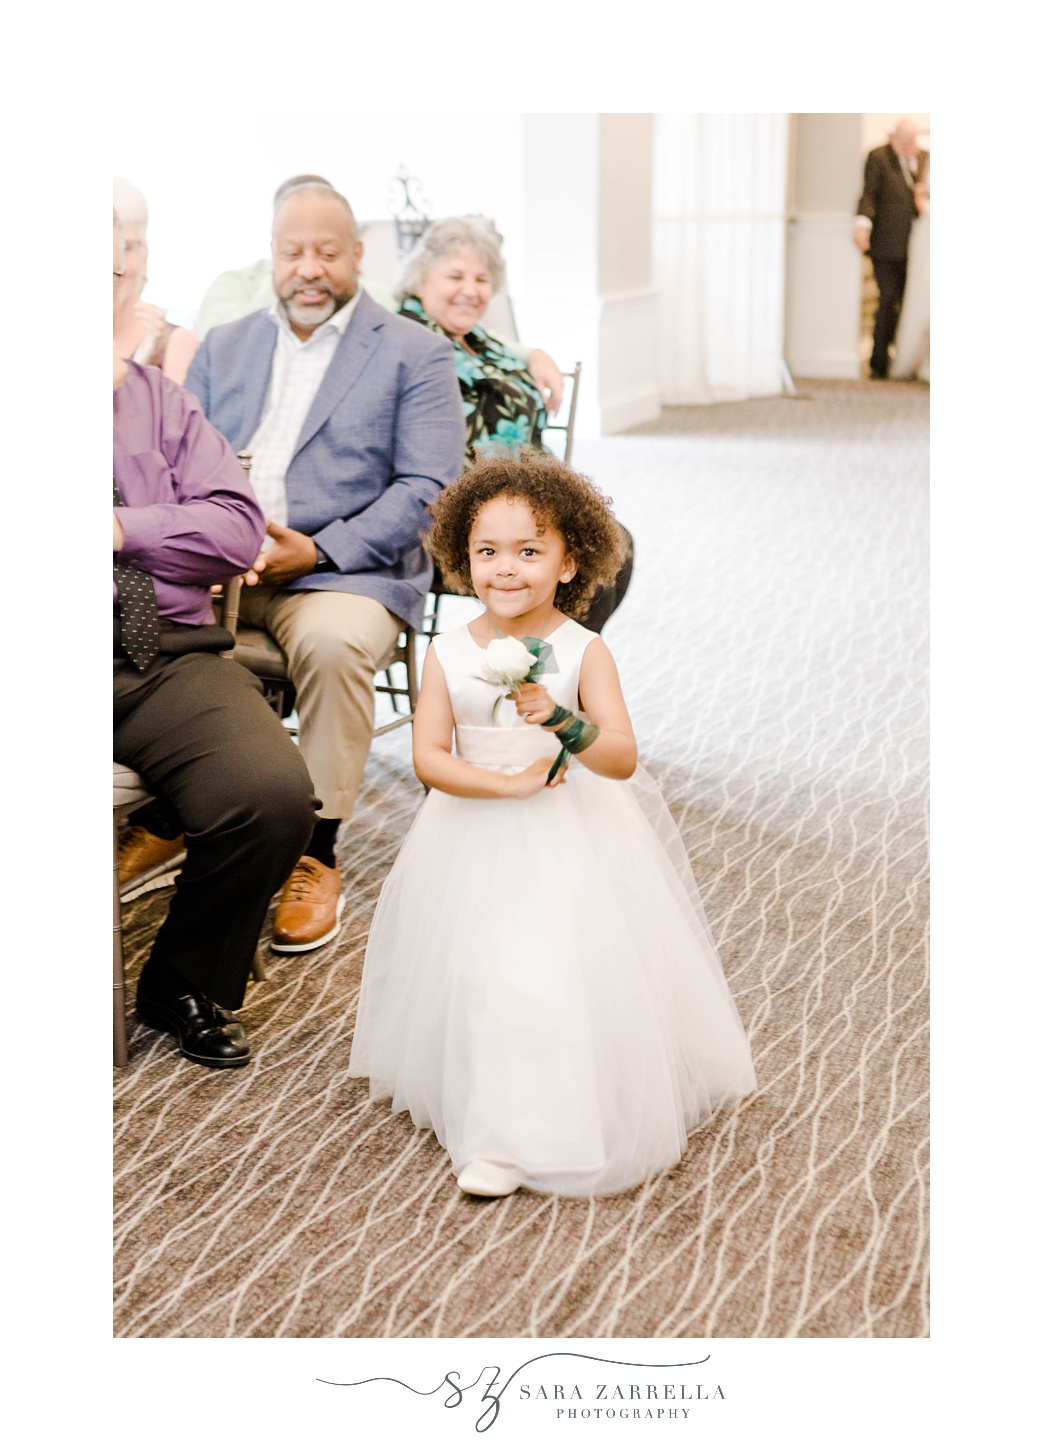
719 248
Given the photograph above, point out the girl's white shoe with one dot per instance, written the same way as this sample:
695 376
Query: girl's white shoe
487 1181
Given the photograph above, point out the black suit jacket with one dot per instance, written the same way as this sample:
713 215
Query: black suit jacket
887 200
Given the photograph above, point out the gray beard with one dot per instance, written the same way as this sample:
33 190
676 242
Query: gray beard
311 316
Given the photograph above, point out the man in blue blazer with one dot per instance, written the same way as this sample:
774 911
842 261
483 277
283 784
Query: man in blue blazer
354 422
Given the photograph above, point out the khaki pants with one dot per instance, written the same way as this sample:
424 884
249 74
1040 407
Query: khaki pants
333 643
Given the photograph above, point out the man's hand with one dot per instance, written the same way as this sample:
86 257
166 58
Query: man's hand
117 534
534 704
119 370
157 329
548 378
862 239
290 556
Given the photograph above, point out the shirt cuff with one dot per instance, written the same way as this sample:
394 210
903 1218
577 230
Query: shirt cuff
864 222
323 541
135 536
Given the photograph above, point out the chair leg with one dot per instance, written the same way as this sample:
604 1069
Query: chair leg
432 628
258 970
119 992
412 684
390 688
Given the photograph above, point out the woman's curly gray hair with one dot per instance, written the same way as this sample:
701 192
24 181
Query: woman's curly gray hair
444 238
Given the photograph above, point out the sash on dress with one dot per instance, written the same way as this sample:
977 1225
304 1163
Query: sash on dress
502 749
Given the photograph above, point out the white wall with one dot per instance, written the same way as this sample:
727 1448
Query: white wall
824 267
625 148
586 292
210 196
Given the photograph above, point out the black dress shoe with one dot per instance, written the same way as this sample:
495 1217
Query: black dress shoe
205 1033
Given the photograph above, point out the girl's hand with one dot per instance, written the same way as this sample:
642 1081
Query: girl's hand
532 779
534 704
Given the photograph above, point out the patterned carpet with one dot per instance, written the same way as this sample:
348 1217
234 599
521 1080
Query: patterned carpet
773 648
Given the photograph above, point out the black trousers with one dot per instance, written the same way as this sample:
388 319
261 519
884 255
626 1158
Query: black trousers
890 281
197 728
608 599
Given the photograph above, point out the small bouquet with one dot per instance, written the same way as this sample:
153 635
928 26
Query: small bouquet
509 662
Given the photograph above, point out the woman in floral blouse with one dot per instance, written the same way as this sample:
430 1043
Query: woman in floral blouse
447 282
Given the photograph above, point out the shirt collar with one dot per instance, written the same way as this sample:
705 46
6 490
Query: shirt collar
414 308
337 323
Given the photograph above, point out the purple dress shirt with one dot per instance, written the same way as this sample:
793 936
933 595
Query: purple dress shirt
189 516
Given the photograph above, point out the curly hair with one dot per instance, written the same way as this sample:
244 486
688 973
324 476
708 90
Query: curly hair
559 498
443 239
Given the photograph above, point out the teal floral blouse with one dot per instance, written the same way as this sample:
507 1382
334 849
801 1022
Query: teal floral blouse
503 407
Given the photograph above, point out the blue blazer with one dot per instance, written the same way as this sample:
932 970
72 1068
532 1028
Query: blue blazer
383 436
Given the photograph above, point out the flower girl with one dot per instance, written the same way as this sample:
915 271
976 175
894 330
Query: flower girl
540 985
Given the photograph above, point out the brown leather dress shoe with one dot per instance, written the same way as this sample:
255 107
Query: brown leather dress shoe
309 909
147 862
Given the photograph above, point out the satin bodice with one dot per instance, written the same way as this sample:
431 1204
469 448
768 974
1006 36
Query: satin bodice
506 741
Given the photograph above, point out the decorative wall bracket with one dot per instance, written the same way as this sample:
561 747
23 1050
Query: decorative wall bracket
411 219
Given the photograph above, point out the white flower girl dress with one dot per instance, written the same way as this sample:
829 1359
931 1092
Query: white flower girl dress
540 985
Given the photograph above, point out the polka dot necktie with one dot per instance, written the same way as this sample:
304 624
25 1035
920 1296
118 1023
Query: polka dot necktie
139 615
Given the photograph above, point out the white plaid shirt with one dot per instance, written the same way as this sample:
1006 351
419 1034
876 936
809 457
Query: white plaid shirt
298 368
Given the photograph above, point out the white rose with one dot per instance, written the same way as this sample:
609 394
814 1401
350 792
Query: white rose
509 660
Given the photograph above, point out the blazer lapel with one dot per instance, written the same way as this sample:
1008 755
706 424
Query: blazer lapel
360 341
896 162
255 383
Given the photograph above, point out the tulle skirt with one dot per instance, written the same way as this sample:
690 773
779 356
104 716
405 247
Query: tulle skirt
541 987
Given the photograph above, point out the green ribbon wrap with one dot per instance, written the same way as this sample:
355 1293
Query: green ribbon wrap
545 661
574 734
